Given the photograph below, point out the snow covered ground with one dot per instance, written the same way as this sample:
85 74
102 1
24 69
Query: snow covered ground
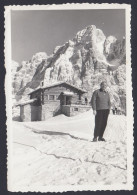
60 151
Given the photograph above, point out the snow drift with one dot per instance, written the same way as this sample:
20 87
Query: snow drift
60 151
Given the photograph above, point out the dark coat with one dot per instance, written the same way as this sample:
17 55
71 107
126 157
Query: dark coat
100 100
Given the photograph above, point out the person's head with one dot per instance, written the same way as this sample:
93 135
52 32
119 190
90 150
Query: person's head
103 85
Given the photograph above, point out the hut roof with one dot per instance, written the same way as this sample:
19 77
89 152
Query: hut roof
67 93
59 83
26 102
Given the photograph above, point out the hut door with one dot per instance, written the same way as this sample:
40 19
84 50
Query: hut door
65 99
68 100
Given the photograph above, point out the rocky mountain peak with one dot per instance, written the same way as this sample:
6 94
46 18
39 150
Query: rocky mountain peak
38 57
90 34
84 61
109 40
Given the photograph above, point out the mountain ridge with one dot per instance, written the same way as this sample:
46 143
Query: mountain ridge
85 60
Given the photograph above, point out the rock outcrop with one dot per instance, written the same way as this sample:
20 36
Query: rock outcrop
27 72
84 61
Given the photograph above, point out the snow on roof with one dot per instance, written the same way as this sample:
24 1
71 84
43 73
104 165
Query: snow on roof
68 93
58 83
26 102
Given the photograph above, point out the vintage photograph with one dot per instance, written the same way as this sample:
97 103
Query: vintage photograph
69 97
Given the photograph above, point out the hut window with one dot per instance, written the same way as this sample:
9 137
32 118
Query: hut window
75 109
51 97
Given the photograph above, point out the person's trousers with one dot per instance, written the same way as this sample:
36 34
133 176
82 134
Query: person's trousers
100 122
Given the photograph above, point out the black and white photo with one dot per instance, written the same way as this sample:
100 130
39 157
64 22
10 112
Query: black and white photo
69 97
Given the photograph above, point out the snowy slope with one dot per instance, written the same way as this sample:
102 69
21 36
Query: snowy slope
81 126
60 152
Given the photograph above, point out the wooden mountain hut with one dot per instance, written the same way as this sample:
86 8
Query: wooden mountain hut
51 100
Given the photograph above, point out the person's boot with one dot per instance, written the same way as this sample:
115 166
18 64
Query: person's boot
94 139
101 139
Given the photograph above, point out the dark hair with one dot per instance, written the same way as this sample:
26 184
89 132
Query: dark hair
103 82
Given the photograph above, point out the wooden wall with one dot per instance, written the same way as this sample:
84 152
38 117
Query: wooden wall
36 113
38 95
48 107
57 90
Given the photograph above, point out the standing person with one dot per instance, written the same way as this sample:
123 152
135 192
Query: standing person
101 107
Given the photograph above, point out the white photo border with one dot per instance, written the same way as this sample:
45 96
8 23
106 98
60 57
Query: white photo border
129 99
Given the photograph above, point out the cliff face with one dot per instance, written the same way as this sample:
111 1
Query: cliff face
86 60
28 75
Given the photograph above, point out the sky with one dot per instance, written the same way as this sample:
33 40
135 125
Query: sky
43 30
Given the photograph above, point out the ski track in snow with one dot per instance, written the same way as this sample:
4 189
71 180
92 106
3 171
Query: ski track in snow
46 157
